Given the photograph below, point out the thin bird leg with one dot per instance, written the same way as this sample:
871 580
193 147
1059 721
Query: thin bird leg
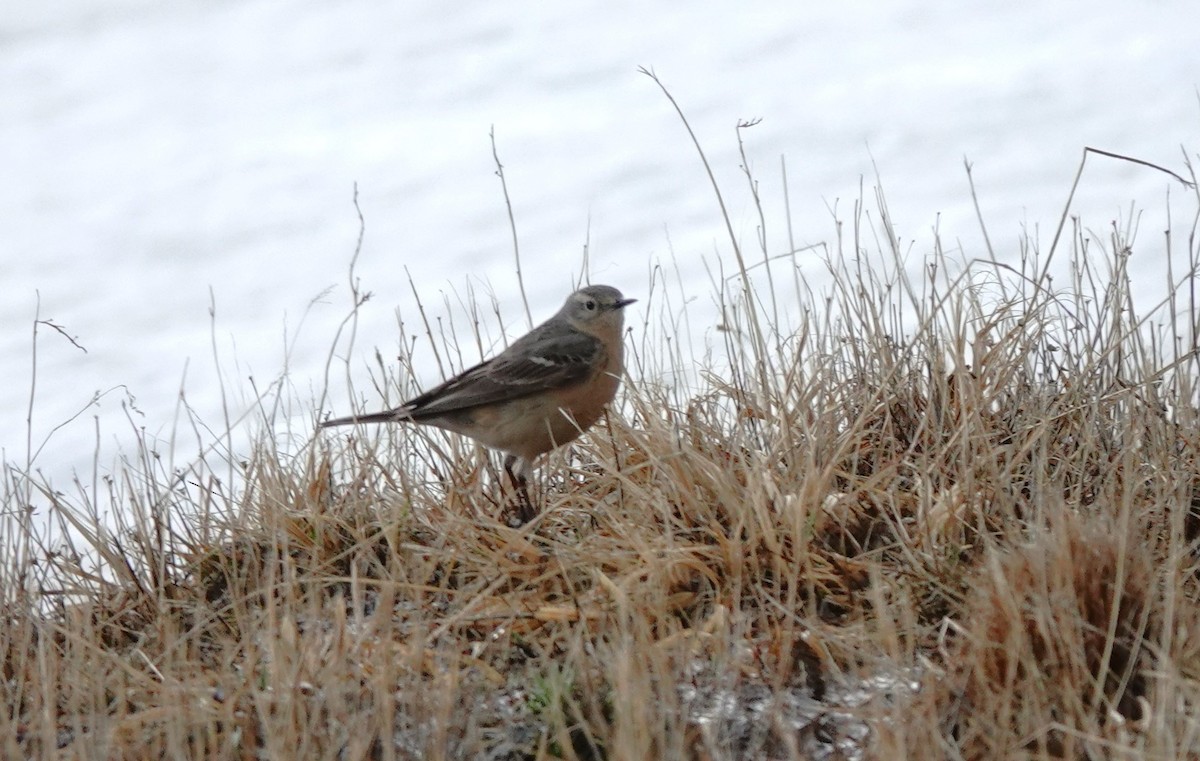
525 509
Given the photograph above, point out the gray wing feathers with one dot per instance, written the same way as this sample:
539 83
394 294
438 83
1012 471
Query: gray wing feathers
537 362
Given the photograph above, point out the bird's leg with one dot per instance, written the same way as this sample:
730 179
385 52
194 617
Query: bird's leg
525 509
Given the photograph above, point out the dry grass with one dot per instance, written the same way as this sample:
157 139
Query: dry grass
953 518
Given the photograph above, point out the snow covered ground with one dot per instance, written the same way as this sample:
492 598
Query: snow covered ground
161 158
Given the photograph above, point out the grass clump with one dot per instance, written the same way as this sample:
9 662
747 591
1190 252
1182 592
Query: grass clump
946 517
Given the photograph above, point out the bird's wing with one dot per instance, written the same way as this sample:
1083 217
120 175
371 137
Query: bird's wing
535 363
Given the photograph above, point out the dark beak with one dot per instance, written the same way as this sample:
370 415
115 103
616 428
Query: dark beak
623 303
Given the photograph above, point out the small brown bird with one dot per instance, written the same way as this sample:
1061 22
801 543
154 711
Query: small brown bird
543 391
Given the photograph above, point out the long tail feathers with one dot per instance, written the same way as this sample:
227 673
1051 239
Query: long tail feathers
390 416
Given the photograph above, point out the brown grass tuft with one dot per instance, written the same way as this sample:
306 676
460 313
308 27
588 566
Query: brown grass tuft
1055 652
946 515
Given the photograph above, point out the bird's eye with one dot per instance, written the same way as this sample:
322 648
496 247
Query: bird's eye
589 305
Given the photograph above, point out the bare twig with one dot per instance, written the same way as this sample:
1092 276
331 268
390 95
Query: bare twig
512 224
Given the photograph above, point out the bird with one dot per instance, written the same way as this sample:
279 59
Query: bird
543 391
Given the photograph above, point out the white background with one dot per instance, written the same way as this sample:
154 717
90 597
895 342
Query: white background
152 154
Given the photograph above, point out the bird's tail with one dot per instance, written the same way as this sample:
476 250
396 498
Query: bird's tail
389 416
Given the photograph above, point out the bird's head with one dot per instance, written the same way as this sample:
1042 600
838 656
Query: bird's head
596 306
